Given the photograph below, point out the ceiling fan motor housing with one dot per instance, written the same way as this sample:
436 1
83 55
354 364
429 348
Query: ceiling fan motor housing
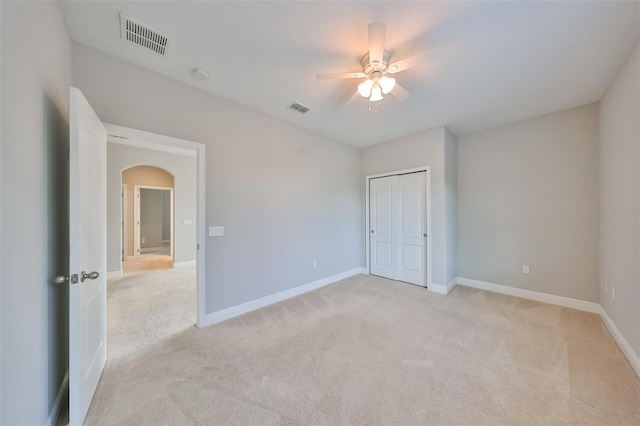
369 67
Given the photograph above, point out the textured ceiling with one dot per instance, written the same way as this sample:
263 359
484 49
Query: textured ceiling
490 63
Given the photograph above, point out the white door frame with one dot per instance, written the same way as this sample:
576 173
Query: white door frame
136 218
367 213
124 223
148 140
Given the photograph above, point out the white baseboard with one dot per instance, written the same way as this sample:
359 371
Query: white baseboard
185 264
55 409
114 274
443 289
626 349
148 249
566 302
244 308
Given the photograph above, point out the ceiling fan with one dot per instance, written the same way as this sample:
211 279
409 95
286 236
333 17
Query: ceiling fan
376 69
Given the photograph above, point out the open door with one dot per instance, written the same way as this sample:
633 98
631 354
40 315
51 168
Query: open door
87 258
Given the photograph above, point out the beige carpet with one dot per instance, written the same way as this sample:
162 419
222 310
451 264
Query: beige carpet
364 351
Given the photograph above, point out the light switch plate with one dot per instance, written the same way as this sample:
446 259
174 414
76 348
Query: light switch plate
216 231
186 221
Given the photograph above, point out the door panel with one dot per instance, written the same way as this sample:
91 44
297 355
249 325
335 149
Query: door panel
383 227
384 253
87 240
411 258
412 242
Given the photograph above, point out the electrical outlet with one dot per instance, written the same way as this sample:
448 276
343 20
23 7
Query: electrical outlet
525 269
216 231
606 287
613 293
315 263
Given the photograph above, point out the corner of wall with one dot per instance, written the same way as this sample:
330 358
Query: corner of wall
451 203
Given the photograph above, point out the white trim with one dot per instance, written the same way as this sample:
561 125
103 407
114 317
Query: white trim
148 249
54 414
149 145
443 289
166 143
123 222
244 308
185 264
367 224
131 258
552 299
114 274
625 347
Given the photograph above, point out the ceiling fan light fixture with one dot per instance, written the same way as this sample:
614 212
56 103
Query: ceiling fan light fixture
387 84
376 94
364 88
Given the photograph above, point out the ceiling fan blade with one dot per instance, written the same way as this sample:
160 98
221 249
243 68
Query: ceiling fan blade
340 75
376 43
409 61
399 92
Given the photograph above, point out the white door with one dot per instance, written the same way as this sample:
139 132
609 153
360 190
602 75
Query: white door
383 224
398 227
87 260
412 237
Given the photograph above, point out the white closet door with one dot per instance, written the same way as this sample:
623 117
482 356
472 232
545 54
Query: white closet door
383 226
412 237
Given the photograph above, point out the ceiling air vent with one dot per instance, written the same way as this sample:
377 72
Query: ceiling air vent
300 108
140 34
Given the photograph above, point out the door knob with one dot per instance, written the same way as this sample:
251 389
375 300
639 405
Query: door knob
90 276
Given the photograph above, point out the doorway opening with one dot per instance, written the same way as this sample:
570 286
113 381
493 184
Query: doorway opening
147 219
155 250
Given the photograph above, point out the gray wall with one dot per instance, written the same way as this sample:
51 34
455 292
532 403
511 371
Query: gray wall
285 196
151 218
36 74
420 149
619 195
182 167
528 195
451 204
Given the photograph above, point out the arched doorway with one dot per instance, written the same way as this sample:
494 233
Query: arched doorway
148 222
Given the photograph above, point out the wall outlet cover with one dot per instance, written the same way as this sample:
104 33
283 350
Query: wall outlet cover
216 231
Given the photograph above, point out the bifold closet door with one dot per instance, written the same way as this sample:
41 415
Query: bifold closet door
398 239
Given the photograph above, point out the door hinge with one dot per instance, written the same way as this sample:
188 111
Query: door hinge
198 245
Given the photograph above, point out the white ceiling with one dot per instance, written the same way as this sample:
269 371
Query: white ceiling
493 62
